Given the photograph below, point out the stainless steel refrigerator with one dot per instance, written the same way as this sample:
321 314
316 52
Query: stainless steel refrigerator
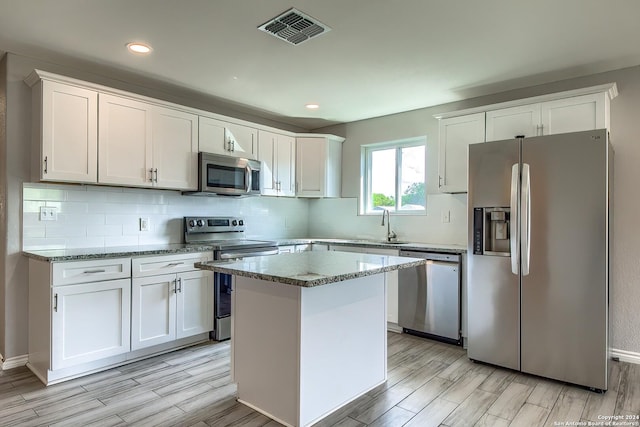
538 260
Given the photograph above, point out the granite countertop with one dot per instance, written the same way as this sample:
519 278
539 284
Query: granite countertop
79 254
309 269
401 245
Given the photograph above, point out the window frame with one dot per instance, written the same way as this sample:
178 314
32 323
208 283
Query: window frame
366 176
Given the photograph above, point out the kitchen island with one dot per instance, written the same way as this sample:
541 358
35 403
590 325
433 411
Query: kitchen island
308 330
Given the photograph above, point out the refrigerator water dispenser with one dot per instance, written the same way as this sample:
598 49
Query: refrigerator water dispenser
491 231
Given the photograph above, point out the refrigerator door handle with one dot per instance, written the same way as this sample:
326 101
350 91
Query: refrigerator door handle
515 225
525 217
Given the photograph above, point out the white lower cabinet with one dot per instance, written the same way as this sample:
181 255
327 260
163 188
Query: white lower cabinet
90 322
168 305
86 316
391 277
79 315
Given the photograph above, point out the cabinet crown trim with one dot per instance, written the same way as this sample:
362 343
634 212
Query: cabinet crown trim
611 89
38 75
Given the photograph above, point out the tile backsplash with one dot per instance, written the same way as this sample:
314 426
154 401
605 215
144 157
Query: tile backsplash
95 216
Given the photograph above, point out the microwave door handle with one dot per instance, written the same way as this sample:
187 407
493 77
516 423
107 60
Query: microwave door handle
249 179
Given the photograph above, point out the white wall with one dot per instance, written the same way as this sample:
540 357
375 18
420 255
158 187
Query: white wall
339 217
3 198
93 216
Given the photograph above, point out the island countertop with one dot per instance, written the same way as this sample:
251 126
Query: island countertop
309 269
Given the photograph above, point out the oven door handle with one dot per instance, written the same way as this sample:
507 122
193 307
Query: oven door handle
236 255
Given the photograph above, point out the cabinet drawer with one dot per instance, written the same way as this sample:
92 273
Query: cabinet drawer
164 264
67 273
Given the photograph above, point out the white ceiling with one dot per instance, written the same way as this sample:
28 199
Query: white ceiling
381 56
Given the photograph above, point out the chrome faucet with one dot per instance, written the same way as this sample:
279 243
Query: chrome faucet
391 235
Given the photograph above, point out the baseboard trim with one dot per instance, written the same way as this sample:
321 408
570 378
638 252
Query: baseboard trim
626 356
13 362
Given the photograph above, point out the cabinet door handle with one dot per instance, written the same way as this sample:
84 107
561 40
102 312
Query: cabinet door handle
175 286
233 145
155 174
151 175
95 271
55 303
439 181
180 284
45 165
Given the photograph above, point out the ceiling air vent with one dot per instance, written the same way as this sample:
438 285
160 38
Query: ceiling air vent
294 27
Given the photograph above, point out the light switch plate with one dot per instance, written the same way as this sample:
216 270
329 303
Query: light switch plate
48 213
446 215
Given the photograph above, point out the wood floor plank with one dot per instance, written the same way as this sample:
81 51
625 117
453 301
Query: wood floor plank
457 369
110 421
433 414
491 421
616 370
545 394
134 415
203 400
348 422
629 391
343 412
391 397
459 391
510 401
420 398
498 381
471 410
169 416
599 405
394 376
87 410
395 416
18 417
530 415
568 408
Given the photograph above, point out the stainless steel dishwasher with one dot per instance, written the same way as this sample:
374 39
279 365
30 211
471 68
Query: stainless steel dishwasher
429 297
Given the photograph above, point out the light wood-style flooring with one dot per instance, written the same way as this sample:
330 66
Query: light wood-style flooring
430 384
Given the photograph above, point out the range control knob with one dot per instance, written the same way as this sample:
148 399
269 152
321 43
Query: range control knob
192 223
234 222
200 223
241 222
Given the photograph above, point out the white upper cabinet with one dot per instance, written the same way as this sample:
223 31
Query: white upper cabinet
507 123
318 166
578 113
65 125
571 111
175 149
573 114
125 155
278 155
231 139
456 133
146 145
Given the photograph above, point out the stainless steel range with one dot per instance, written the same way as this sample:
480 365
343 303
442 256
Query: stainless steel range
226 237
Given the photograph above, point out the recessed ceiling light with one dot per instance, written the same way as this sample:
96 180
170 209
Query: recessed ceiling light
312 106
140 48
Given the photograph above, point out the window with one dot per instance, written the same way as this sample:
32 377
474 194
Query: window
394 177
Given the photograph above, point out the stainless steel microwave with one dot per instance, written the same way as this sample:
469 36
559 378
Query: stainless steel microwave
227 175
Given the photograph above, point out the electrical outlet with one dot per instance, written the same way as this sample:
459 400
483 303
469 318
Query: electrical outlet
48 213
144 224
446 215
